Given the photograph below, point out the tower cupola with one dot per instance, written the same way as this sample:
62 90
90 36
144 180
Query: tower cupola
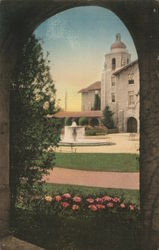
118 44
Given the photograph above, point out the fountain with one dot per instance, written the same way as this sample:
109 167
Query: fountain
74 135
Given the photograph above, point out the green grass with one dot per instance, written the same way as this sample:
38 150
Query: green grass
98 161
128 195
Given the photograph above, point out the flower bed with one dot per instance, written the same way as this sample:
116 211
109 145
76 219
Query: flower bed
77 203
70 221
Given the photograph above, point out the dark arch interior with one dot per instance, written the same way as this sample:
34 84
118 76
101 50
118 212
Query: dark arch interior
20 20
132 125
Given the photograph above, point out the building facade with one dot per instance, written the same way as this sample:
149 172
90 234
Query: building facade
88 96
120 87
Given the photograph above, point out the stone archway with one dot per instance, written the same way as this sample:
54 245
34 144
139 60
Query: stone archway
19 18
132 125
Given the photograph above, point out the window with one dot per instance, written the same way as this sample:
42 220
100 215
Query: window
123 61
113 64
113 97
131 78
131 81
113 81
131 98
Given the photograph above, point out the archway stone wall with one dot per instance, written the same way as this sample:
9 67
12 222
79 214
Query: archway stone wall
19 18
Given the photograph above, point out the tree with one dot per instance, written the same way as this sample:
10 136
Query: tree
108 118
32 99
96 102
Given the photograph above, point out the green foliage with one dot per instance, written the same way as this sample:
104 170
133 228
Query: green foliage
108 118
64 226
32 98
60 123
68 121
96 131
83 121
94 122
90 132
97 102
127 194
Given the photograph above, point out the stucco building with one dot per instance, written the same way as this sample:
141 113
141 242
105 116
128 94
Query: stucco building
88 95
119 88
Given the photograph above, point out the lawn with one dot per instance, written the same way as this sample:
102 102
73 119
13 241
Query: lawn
98 161
128 195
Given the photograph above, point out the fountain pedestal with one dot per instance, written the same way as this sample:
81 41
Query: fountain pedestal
73 133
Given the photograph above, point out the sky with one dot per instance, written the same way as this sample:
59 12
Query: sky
77 40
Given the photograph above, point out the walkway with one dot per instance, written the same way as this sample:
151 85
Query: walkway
94 179
122 143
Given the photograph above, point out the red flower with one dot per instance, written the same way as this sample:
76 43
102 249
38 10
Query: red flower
90 200
122 205
131 207
116 199
92 208
100 206
110 205
75 207
77 199
65 204
58 198
100 200
106 198
67 196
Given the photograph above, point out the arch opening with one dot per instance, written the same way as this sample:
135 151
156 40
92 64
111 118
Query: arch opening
132 125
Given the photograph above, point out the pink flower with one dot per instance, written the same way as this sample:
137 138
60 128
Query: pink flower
100 200
100 206
110 205
106 198
65 204
58 198
48 198
75 207
67 196
90 200
116 199
122 205
77 199
92 208
131 207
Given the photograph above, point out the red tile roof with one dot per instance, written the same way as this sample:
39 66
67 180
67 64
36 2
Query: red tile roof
125 67
94 86
63 114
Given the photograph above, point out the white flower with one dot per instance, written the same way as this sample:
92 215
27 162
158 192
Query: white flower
46 105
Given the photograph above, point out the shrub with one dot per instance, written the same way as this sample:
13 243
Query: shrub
83 121
90 132
94 122
97 102
96 131
68 121
108 118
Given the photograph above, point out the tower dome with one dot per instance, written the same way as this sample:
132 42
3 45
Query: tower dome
118 44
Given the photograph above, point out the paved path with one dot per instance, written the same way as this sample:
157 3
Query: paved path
122 143
93 178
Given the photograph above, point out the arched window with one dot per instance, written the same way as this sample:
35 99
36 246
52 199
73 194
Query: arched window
113 64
